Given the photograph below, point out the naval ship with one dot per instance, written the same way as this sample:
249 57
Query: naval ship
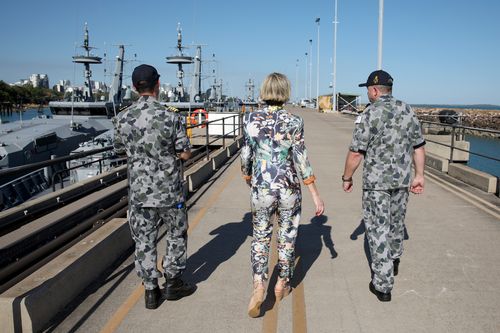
177 97
72 123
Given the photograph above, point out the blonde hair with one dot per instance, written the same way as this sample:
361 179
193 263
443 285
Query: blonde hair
275 90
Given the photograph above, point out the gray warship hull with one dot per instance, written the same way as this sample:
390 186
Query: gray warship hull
39 139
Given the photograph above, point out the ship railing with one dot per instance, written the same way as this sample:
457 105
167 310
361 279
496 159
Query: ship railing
61 174
52 163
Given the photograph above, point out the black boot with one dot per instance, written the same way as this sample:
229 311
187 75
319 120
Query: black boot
176 289
383 297
152 298
396 266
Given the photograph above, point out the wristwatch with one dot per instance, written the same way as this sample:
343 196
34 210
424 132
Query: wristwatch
347 179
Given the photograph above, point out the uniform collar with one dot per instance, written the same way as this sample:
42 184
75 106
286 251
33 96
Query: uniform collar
147 98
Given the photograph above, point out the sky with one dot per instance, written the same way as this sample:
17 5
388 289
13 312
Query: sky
438 51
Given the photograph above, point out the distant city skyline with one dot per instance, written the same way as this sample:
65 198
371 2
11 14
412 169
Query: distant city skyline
439 52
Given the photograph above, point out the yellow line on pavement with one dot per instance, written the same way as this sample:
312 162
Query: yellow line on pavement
299 304
138 292
270 322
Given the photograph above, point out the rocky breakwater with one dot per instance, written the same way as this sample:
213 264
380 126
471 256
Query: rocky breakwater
489 119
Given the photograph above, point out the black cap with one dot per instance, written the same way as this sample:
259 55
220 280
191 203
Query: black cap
144 75
378 78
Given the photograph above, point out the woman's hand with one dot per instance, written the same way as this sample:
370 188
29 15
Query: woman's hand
320 205
318 202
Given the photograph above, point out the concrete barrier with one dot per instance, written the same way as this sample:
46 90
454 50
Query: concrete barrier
30 305
199 174
482 180
436 162
443 151
234 147
219 158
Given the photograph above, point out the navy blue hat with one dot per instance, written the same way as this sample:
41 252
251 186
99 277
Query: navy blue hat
144 75
378 78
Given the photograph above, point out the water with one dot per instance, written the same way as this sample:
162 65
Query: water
485 146
27 114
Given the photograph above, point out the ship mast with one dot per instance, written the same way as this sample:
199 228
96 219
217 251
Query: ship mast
179 60
87 59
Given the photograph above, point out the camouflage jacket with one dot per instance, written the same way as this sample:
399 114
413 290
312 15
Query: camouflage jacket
387 132
274 147
151 135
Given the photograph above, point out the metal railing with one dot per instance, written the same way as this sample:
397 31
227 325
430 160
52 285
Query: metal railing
457 132
20 170
235 121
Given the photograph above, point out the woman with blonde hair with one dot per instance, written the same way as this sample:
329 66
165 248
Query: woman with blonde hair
273 152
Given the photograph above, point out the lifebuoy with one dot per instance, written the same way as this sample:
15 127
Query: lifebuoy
198 113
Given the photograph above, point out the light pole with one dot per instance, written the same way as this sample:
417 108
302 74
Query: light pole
305 81
297 80
380 29
310 67
334 82
317 69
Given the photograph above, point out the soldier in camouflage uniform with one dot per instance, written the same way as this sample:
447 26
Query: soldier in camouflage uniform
388 135
155 141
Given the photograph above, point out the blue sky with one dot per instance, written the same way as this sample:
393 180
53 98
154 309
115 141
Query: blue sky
439 52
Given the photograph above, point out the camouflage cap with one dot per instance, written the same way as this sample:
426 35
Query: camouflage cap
144 75
378 78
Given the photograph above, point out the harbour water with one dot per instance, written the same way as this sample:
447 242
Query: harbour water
484 146
27 114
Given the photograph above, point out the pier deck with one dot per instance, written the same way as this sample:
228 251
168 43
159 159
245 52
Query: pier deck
448 280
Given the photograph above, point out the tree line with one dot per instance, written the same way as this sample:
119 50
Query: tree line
27 94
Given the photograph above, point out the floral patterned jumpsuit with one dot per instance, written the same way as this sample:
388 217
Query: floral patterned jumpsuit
273 149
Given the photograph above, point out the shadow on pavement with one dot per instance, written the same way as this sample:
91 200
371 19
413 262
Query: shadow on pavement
310 240
230 237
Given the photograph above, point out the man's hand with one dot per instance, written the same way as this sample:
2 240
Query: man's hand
347 186
417 185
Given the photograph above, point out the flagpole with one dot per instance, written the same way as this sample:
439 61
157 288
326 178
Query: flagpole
334 82
317 70
380 30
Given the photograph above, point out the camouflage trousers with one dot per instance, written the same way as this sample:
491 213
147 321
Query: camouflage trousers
383 214
265 203
145 223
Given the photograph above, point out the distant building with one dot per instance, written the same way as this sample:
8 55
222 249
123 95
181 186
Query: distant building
39 80
65 83
21 82
59 88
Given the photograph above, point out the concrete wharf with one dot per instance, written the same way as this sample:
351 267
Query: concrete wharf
448 280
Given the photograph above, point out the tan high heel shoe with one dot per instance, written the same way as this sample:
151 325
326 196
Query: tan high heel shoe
281 289
256 300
